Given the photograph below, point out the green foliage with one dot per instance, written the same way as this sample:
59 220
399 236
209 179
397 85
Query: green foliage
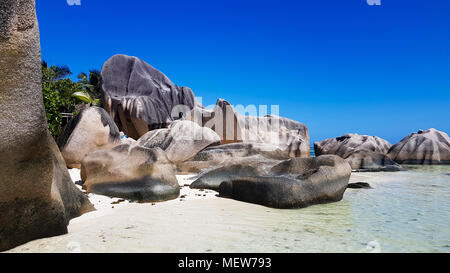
92 87
62 95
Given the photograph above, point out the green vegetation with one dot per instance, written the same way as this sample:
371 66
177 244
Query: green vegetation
62 95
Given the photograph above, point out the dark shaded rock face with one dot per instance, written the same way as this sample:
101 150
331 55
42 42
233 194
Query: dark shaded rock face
91 130
181 141
364 153
289 136
359 185
211 180
37 196
296 183
424 147
140 98
131 172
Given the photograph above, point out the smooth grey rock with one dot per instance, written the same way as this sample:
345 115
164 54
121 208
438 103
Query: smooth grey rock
140 98
91 130
231 154
37 195
212 179
296 183
130 172
430 147
290 137
364 161
347 144
181 141
364 153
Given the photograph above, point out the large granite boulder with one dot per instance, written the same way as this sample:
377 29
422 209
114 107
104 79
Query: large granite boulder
131 172
364 153
295 183
347 144
364 161
424 147
255 154
37 196
140 98
212 179
181 141
289 136
91 130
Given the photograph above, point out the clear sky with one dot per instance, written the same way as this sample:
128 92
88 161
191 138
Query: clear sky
338 66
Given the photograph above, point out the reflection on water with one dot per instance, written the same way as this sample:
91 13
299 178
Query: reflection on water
404 212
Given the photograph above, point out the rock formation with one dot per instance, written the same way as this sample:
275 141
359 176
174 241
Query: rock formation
141 98
424 147
91 130
262 155
181 141
212 179
130 172
364 153
37 196
295 183
287 135
347 144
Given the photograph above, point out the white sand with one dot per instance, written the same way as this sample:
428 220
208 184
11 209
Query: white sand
105 205
211 224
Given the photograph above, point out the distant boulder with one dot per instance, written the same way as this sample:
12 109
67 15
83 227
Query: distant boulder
131 172
91 130
364 153
181 141
347 144
424 147
295 183
140 98
289 136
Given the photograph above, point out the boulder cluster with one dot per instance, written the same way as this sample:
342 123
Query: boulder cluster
371 153
149 131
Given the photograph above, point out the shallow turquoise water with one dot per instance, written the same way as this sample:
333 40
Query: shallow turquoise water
404 212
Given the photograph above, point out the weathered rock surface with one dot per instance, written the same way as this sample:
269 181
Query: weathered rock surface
91 130
212 179
141 98
424 147
181 141
365 161
289 136
296 183
130 172
347 144
37 196
364 153
254 154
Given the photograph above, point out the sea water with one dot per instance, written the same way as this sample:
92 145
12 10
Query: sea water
406 211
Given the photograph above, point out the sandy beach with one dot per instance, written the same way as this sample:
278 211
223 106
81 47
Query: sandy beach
365 221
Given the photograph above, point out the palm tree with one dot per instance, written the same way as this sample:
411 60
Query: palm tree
92 87
54 72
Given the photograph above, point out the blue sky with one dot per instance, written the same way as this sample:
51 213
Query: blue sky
338 66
